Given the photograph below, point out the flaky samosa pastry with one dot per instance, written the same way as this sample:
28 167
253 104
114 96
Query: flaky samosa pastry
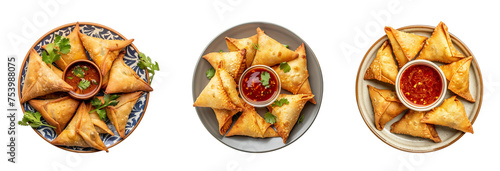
224 118
457 73
439 47
214 95
404 45
271 52
118 115
103 52
86 129
76 52
305 88
383 67
57 112
41 80
288 114
244 43
230 87
232 62
386 106
451 114
69 136
123 79
100 126
298 74
251 124
410 125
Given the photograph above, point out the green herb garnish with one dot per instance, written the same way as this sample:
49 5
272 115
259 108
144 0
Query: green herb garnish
301 119
109 100
256 46
264 78
286 46
220 51
210 73
85 68
78 71
94 82
84 84
285 67
280 102
54 50
146 63
69 77
270 118
32 119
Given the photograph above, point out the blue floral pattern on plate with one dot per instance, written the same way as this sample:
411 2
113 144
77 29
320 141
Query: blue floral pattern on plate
131 59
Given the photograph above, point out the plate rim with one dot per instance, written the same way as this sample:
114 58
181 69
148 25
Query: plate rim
458 41
54 30
320 80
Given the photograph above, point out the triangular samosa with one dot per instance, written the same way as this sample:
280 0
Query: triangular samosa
458 75
86 129
306 89
214 95
76 52
123 79
245 43
386 106
118 115
404 45
297 75
271 52
250 123
410 125
103 52
383 67
232 62
230 87
57 112
41 80
224 118
451 114
288 114
69 136
439 47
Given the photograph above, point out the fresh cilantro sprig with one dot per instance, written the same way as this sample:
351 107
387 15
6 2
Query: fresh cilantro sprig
84 84
264 78
280 102
285 67
146 63
32 119
286 46
79 72
256 46
109 100
54 50
270 118
210 73
301 119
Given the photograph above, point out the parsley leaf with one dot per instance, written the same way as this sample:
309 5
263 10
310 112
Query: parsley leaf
270 118
286 46
256 46
220 51
280 102
146 63
78 71
109 100
301 119
84 84
32 119
285 67
54 50
264 78
210 73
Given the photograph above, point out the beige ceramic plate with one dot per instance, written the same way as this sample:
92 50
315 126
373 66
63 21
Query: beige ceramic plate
405 142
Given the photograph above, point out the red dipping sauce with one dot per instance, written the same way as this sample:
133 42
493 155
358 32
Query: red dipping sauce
252 87
421 84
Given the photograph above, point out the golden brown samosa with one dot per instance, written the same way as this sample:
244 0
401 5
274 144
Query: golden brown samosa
123 79
250 123
57 112
404 45
410 125
214 95
439 47
118 115
100 125
232 62
86 129
306 89
451 114
41 80
386 106
69 136
271 52
103 52
288 114
224 118
76 52
383 67
457 73
244 43
298 74
230 87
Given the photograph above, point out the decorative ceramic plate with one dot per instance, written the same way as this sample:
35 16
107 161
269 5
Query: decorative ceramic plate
131 59
310 110
406 142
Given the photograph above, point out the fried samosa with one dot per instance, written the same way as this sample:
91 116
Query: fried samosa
118 115
404 45
386 106
439 47
306 89
57 112
288 114
86 129
246 43
297 75
224 118
251 124
41 80
103 52
458 75
100 126
232 62
410 125
451 114
230 87
214 95
123 79
383 67
76 52
271 52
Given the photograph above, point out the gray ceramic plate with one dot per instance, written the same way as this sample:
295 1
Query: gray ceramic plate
310 110
405 142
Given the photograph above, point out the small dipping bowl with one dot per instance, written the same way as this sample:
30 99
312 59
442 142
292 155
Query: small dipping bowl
412 105
251 89
73 80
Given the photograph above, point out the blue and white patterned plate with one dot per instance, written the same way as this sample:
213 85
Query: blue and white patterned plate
131 59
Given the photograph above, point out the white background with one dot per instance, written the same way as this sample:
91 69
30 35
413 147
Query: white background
171 136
